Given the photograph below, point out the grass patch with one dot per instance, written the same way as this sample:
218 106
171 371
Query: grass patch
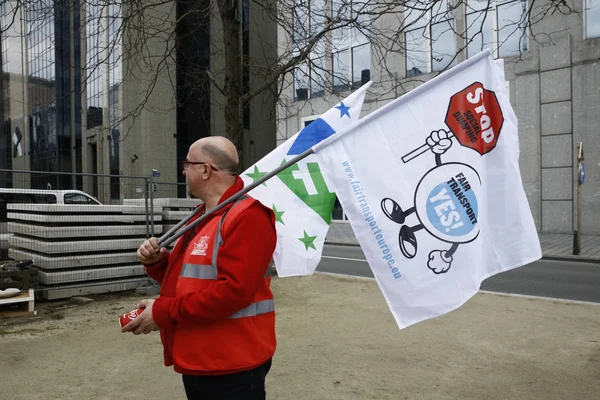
26 330
57 316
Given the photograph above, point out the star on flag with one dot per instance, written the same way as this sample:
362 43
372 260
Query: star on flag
308 241
278 214
256 175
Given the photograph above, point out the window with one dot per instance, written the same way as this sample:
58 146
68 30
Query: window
306 121
115 67
28 198
41 42
338 212
308 17
592 19
429 35
348 58
94 117
95 56
300 21
351 50
498 24
3 214
77 198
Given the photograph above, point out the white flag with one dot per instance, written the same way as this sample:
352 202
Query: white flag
299 196
431 185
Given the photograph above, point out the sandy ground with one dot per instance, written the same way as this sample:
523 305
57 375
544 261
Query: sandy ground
337 340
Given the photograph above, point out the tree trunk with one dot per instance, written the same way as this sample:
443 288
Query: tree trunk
233 73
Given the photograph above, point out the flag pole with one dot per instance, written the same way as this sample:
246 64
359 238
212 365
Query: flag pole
179 225
165 239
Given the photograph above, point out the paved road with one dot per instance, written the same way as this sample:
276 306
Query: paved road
574 280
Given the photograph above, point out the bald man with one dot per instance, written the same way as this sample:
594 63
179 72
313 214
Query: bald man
215 310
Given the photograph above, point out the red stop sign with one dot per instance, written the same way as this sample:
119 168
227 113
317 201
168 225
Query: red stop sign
475 118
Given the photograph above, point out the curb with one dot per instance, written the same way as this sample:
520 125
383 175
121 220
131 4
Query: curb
342 244
572 259
549 257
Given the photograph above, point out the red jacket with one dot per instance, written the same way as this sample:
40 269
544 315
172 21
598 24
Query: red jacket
199 330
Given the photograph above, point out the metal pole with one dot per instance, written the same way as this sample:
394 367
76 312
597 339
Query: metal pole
577 237
165 240
179 225
146 204
579 182
151 190
578 216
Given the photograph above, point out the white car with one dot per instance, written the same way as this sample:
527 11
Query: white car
41 196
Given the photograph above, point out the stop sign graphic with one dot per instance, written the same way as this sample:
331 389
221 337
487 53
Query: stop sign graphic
475 118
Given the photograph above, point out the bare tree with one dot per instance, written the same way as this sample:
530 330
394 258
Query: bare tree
311 43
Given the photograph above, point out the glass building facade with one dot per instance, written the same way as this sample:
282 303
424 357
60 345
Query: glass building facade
41 86
49 92
43 55
67 102
7 145
103 80
114 86
193 55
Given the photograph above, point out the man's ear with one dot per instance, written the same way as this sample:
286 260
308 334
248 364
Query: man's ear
206 171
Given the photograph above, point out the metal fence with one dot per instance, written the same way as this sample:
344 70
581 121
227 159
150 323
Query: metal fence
107 189
77 245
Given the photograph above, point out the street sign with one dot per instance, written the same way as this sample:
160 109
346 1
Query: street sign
581 172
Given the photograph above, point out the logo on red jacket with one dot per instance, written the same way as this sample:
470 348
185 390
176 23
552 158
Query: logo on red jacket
201 246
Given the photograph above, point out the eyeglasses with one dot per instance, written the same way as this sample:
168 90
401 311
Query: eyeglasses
186 164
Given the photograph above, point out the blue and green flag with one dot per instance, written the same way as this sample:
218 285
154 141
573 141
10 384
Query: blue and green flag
299 195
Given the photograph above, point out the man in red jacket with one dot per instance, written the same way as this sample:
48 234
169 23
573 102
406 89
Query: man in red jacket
215 311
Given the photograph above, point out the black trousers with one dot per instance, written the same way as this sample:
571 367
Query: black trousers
245 385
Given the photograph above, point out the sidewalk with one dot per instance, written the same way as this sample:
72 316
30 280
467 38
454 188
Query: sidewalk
554 245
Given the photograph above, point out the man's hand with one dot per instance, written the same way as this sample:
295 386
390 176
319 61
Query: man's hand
144 322
149 253
439 141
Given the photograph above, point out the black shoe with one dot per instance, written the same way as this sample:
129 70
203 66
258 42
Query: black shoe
407 242
392 210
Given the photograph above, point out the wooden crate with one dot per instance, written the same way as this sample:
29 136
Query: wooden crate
25 302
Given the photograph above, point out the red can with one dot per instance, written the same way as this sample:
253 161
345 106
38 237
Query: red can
130 316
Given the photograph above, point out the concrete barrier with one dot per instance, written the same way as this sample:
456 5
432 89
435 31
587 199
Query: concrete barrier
96 287
90 274
80 249
72 246
173 210
166 203
90 231
49 262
